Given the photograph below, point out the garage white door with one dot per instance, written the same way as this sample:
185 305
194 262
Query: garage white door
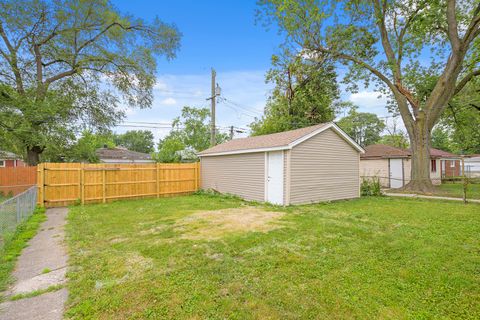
396 173
274 175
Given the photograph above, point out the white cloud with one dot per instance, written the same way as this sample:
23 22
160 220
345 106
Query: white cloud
160 85
369 101
168 101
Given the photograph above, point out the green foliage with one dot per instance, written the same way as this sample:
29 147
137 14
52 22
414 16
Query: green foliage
370 187
13 245
460 123
397 140
441 139
190 134
46 270
136 140
36 293
169 149
67 65
304 95
84 149
363 127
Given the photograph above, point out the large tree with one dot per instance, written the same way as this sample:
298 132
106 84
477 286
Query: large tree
421 53
68 64
304 94
364 127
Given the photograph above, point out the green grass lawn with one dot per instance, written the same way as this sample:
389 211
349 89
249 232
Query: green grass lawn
456 190
368 258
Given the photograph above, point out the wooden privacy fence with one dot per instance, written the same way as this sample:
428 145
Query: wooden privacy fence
15 180
61 184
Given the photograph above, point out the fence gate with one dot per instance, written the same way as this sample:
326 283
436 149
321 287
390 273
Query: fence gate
62 184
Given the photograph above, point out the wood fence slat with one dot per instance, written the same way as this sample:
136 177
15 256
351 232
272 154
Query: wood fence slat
15 180
66 183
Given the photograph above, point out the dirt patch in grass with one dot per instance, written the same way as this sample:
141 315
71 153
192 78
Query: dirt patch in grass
213 225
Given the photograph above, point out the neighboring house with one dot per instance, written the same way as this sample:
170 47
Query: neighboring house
9 159
472 165
313 164
393 165
122 155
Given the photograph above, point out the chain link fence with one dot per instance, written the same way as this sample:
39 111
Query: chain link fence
16 210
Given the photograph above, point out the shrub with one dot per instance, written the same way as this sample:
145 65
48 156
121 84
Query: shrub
370 187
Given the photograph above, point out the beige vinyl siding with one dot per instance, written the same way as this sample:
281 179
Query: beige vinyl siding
378 168
240 174
323 168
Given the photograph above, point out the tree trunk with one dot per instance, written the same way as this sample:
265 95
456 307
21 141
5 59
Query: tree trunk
420 146
33 155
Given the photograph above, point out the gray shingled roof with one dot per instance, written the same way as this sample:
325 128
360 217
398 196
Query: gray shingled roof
121 154
265 141
7 155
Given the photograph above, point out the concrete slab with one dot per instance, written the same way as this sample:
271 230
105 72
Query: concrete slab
48 306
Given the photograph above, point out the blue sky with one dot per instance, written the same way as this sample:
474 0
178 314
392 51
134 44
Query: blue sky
223 35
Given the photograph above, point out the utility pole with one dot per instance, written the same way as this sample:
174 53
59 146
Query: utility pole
231 132
215 93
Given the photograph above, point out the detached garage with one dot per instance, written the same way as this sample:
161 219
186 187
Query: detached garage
313 164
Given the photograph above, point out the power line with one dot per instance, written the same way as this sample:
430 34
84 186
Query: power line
248 109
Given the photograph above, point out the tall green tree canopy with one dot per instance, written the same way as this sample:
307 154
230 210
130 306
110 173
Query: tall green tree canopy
364 127
304 94
136 140
460 124
397 140
68 64
190 134
386 44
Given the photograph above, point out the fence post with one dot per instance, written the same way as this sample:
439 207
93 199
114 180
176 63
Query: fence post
196 175
41 182
82 183
157 172
104 185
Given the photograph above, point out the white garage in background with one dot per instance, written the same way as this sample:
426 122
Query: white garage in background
313 164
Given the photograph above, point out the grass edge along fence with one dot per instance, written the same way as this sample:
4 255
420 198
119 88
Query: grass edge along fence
61 184
15 211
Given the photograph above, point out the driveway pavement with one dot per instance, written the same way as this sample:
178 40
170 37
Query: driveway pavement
41 266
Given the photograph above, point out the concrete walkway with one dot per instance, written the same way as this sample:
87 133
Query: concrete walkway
42 264
413 195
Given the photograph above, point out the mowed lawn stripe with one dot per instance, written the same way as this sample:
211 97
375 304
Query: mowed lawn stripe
366 258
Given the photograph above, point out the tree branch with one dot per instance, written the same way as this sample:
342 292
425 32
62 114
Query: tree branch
380 12
465 80
452 26
474 27
60 76
13 60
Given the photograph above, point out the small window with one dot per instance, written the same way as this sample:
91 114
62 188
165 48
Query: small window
2 163
452 164
433 165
